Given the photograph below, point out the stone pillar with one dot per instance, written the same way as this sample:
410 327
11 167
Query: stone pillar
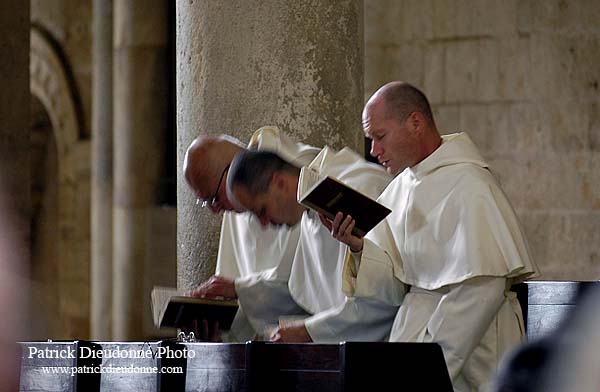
102 170
15 203
140 110
244 64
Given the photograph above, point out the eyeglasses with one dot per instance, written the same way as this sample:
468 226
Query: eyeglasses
213 200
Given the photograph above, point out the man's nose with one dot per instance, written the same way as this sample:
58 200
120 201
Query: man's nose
374 149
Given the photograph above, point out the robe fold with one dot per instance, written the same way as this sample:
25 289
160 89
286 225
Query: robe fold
289 271
252 253
445 258
314 282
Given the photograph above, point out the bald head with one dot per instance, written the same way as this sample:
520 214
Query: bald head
399 122
400 99
205 160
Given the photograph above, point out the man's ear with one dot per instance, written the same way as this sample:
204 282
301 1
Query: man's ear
417 122
282 183
278 180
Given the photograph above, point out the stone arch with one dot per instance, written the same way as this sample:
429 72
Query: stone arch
50 84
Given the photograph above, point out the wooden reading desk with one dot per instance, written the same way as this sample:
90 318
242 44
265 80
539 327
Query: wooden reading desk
252 366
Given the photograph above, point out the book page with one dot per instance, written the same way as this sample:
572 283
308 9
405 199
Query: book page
309 178
320 160
160 296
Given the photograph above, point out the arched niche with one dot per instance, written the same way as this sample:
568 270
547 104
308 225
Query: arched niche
68 225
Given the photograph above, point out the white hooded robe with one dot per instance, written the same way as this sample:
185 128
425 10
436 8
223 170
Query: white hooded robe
314 281
252 254
440 266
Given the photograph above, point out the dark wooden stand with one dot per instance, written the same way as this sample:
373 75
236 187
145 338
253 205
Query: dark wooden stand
253 366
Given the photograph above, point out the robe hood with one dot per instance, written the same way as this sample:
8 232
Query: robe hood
451 221
270 138
455 148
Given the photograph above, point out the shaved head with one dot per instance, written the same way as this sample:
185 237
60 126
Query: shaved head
205 160
399 122
400 99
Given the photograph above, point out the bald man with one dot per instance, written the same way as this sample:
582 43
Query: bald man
204 166
249 254
448 253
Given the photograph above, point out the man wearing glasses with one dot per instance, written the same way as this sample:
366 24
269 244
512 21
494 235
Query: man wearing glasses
293 269
249 255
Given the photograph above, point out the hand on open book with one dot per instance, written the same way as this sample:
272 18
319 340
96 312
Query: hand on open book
296 333
341 230
216 286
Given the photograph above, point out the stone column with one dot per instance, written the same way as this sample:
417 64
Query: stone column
15 203
140 110
244 64
102 170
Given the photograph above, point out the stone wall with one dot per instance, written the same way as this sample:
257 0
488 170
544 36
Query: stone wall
69 24
242 65
61 79
523 78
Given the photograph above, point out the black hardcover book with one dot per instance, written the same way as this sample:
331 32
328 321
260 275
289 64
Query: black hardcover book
171 308
329 196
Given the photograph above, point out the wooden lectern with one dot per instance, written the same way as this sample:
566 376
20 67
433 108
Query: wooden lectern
249 367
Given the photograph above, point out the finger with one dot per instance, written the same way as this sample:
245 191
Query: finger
209 293
342 230
325 221
344 225
274 334
200 291
221 290
349 228
212 290
216 279
336 222
276 337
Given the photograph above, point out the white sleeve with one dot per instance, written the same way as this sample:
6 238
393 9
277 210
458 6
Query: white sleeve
227 263
368 314
462 317
264 300
357 319
375 276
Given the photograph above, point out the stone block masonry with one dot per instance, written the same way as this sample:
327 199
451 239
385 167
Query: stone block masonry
522 77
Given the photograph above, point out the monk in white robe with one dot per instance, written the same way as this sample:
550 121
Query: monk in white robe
256 257
247 251
447 254
245 247
315 277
